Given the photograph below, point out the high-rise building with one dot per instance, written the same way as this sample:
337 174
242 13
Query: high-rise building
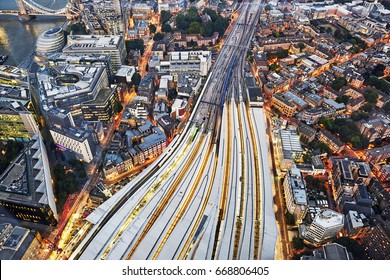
76 140
325 226
16 122
50 41
19 243
377 243
355 224
70 86
295 194
90 59
114 45
102 107
26 188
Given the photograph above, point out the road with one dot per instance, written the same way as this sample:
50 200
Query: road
204 197
64 235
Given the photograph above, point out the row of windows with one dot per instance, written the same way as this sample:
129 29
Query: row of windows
27 217
18 207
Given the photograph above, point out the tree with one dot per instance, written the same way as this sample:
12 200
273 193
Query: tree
137 44
338 83
166 28
301 46
152 28
380 84
378 70
290 220
357 116
342 99
268 7
172 93
77 28
328 123
386 108
136 79
117 108
212 14
158 36
165 17
371 97
367 107
282 54
195 28
278 34
298 243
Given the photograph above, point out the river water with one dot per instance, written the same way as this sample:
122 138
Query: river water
17 40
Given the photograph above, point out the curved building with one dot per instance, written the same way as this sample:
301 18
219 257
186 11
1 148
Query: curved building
50 41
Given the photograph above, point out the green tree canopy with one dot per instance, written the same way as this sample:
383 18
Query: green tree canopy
165 17
371 96
338 83
342 99
158 36
301 46
136 79
152 28
380 84
166 28
137 44
378 70
117 107
298 243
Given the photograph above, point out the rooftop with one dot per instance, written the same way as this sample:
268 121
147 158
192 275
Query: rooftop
379 151
328 218
290 143
103 42
298 186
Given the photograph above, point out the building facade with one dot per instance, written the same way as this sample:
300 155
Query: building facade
295 194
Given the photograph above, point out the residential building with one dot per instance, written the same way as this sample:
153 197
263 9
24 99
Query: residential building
332 141
283 104
26 187
125 74
295 194
380 154
137 109
384 173
306 132
75 140
376 128
179 108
